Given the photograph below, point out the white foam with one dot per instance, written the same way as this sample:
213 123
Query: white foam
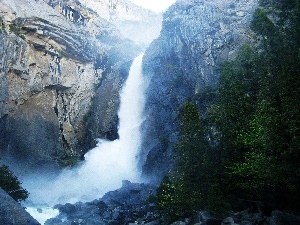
106 165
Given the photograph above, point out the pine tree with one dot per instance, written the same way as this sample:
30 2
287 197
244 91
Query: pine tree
10 183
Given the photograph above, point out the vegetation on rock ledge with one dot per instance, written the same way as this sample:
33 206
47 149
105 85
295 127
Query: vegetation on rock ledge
10 183
16 30
2 26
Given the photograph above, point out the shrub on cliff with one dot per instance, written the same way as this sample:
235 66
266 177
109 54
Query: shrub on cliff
194 183
16 30
2 25
10 183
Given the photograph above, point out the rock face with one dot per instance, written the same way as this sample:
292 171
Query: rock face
12 213
57 59
134 22
196 37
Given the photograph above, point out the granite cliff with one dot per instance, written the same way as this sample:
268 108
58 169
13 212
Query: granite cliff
61 68
135 23
12 213
182 63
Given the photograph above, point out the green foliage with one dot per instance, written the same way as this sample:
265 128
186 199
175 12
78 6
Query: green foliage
13 28
16 30
2 24
254 175
10 183
192 185
238 92
262 24
171 199
259 119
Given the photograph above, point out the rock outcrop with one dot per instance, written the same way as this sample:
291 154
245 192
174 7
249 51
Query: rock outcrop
123 206
12 213
196 37
57 58
132 204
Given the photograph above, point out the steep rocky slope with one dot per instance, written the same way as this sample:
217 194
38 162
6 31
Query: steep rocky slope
56 58
182 63
134 22
12 213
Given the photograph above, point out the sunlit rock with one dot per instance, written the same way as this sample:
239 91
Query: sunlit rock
54 57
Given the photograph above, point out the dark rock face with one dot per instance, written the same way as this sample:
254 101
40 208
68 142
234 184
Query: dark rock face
123 206
12 213
106 103
284 218
27 122
196 36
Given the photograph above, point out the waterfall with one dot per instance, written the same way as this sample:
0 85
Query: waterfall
109 162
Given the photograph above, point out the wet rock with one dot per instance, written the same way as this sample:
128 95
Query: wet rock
228 221
12 213
245 223
207 218
178 223
248 217
284 218
123 206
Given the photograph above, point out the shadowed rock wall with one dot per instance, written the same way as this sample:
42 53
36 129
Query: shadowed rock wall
196 37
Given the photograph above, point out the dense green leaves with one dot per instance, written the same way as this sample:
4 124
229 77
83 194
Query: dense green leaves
264 140
192 185
238 92
262 24
10 183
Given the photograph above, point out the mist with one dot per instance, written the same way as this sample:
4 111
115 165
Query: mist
106 165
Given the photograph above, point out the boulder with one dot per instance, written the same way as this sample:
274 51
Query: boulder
207 218
228 221
284 218
124 206
247 217
178 223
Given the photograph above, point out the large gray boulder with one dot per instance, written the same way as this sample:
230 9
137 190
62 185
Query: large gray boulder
12 213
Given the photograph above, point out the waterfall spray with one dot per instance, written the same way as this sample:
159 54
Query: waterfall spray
110 162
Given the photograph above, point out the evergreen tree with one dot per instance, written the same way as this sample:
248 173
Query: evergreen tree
193 184
10 183
263 136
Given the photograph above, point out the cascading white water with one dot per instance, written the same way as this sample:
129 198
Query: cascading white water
109 163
